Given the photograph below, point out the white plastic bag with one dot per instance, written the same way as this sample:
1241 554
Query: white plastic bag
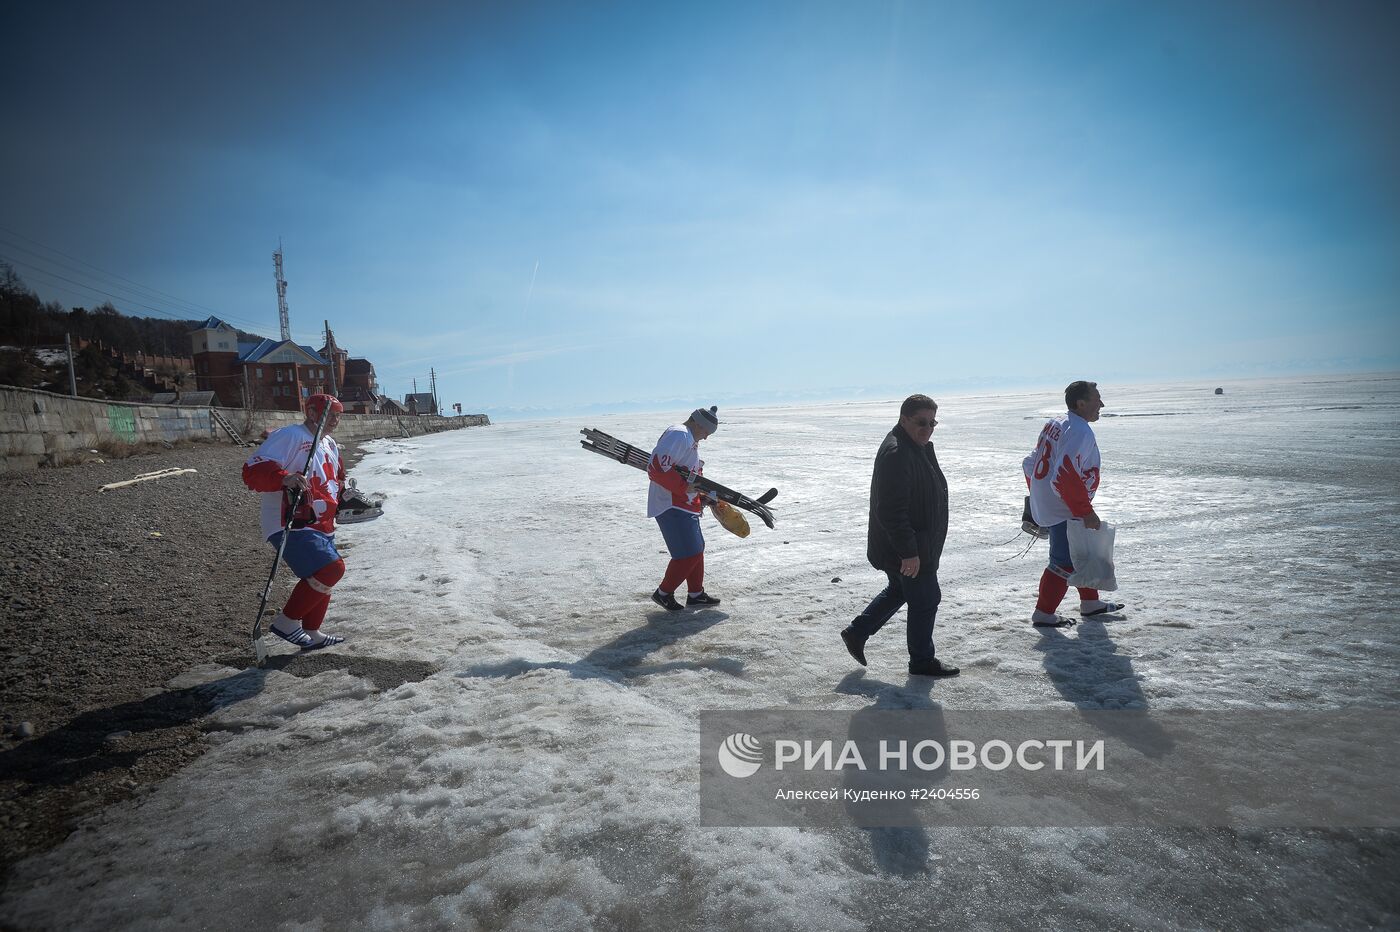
1091 552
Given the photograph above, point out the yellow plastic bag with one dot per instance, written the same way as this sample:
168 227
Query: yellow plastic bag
733 521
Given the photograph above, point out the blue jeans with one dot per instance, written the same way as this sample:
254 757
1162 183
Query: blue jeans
922 595
1059 545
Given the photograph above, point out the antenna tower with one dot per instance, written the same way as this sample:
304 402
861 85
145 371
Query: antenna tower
281 294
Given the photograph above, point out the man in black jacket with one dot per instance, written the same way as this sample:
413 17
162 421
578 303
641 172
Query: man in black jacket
908 525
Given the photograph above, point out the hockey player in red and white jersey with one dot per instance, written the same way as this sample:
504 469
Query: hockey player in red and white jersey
677 508
275 471
1063 475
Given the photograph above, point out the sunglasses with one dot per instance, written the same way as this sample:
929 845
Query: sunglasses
924 422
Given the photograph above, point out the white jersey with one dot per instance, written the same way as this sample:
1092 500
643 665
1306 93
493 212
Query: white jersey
1063 470
677 447
285 451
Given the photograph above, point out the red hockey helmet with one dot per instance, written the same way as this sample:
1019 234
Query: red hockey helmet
316 406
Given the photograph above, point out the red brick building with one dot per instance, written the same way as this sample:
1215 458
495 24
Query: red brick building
337 358
270 374
360 388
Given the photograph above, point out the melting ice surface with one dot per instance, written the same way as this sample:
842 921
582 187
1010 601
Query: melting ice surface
545 775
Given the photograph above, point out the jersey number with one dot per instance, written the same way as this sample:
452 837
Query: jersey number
1042 462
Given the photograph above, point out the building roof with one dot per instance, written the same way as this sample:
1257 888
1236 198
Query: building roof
213 323
252 352
260 351
359 367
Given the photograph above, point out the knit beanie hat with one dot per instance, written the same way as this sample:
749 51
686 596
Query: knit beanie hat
707 418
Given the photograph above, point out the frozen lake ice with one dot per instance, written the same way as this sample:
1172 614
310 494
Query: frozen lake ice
545 776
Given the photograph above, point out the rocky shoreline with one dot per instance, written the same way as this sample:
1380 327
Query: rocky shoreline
108 596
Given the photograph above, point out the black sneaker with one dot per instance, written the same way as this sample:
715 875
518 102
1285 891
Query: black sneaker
666 600
855 644
1028 523
931 667
702 600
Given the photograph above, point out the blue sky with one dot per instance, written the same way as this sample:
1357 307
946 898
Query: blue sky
576 205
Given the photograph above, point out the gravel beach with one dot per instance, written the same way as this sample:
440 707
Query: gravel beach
107 597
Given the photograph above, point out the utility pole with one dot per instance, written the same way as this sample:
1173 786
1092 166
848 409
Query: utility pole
72 379
432 374
281 293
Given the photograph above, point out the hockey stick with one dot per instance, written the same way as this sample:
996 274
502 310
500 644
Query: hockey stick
259 648
622 451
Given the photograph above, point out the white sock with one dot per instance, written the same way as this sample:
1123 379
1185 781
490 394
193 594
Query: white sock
286 625
1043 617
316 637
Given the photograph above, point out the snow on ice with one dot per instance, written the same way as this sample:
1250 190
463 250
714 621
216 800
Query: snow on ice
509 741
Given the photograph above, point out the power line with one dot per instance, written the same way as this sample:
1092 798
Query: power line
89 265
142 290
73 293
199 310
124 298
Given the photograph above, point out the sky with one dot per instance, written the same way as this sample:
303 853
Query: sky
563 207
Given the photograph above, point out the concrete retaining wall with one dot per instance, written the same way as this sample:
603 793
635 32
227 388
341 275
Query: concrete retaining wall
43 429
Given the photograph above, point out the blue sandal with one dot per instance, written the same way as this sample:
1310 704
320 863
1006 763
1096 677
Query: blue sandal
297 638
328 640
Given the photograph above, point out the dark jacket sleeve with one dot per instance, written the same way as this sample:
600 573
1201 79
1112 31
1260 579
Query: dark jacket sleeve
893 486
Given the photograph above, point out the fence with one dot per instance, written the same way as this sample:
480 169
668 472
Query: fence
43 429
